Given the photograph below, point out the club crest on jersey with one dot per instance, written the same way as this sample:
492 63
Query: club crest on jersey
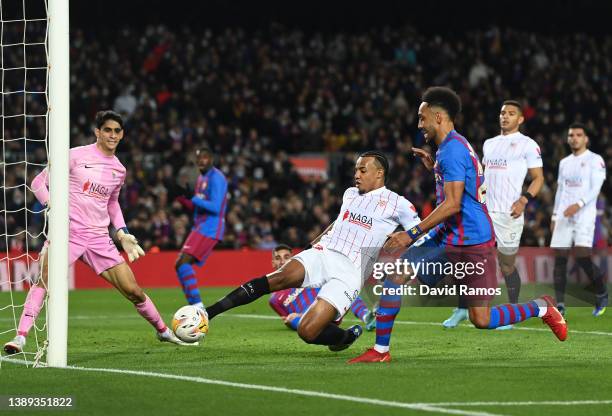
95 189
358 219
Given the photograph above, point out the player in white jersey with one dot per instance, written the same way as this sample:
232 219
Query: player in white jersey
340 260
581 176
96 177
507 159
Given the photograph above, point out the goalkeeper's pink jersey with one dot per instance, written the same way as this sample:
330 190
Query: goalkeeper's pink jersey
95 183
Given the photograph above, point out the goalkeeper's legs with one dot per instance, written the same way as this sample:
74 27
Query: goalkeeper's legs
122 278
290 275
31 308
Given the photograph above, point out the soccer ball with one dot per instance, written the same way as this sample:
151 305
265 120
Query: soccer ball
190 324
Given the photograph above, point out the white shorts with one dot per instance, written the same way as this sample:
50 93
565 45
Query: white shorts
568 233
508 232
338 278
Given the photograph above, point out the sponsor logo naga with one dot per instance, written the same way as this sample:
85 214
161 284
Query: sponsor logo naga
358 219
95 189
497 163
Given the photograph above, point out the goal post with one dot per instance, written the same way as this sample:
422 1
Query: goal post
59 144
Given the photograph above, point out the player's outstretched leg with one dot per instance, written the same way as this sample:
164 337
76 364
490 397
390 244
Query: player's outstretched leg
597 281
187 278
485 317
31 309
389 306
290 275
361 312
122 278
316 327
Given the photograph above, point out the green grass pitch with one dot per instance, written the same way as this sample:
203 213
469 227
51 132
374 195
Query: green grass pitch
449 370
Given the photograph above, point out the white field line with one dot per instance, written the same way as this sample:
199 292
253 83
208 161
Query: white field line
527 403
308 393
439 407
274 317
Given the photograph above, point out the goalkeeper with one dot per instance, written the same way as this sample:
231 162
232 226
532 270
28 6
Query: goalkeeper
96 177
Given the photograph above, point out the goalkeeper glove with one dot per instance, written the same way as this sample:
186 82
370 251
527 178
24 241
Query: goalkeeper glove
130 245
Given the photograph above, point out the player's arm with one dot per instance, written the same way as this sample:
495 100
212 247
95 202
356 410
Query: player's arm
557 201
40 187
127 240
217 193
425 157
537 181
533 157
454 164
453 192
597 178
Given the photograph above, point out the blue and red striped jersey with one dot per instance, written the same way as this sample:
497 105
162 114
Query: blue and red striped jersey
457 161
210 204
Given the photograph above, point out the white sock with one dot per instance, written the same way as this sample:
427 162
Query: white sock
381 348
542 307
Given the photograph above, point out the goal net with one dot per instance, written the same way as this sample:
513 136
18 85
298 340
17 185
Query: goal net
25 143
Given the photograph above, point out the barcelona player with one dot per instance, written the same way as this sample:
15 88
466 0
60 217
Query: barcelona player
208 205
460 226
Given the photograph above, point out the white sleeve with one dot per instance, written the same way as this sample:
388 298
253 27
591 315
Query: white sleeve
533 155
484 152
407 214
598 176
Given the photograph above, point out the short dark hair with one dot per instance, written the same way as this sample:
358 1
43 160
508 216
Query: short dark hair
514 103
281 247
105 115
380 158
443 97
204 149
578 125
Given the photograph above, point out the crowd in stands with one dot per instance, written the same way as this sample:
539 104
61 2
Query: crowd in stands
258 97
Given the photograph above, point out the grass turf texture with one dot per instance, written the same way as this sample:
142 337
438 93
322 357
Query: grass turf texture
430 364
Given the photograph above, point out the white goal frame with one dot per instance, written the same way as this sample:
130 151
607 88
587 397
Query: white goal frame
59 145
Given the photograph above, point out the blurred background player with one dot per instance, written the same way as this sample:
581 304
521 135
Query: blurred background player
208 205
581 176
96 177
507 158
460 223
290 304
338 263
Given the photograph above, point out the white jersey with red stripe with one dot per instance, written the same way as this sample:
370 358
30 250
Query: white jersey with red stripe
365 221
506 159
